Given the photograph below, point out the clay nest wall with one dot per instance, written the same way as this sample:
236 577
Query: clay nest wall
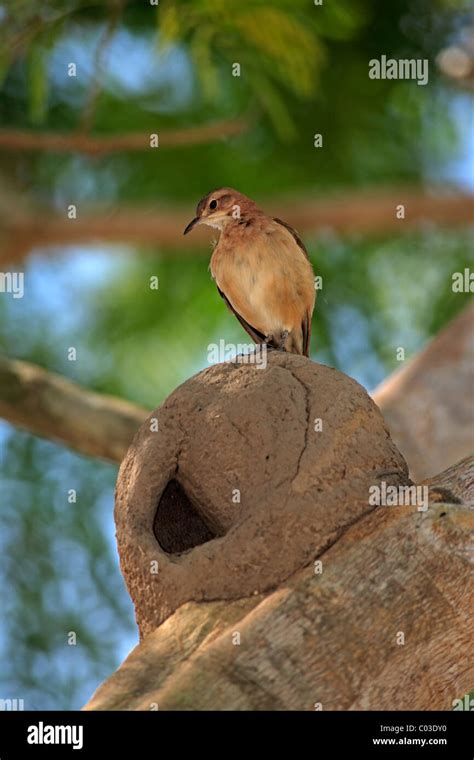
243 476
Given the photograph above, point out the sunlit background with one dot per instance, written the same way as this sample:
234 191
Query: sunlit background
141 69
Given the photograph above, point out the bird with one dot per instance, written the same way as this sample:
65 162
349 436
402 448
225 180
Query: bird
261 269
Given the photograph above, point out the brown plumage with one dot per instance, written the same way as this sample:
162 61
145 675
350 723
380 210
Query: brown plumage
261 269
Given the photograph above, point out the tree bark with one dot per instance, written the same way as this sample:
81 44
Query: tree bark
53 407
97 144
386 624
429 404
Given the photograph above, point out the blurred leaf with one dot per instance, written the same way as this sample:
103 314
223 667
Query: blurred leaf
275 108
5 62
273 45
37 83
169 26
206 68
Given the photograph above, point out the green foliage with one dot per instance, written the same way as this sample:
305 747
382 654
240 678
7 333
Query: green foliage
275 45
37 83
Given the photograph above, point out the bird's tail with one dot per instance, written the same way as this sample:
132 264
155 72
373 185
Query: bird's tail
294 343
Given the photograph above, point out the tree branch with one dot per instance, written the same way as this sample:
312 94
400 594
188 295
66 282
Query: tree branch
428 405
369 213
53 407
394 571
78 142
456 484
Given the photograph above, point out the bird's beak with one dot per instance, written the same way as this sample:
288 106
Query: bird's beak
192 224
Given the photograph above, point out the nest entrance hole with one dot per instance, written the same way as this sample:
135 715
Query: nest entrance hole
178 526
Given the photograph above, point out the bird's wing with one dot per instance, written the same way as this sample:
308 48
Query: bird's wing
256 336
294 233
306 325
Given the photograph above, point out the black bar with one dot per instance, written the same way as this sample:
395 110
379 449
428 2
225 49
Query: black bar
314 734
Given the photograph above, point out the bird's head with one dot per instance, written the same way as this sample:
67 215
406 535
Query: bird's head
221 207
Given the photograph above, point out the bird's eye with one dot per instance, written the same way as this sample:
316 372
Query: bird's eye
213 205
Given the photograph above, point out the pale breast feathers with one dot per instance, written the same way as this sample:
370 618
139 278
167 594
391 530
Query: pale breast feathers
266 277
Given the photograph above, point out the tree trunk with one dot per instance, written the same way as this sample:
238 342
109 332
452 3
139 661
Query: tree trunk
429 404
384 623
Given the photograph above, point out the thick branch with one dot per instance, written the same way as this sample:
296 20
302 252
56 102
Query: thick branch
328 641
17 139
456 484
369 213
428 405
48 405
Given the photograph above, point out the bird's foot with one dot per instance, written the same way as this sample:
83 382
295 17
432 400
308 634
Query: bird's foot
283 337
